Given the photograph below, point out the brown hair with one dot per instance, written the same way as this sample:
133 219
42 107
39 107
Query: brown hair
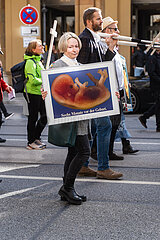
88 14
32 45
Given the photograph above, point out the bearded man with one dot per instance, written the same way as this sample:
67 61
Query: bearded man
93 51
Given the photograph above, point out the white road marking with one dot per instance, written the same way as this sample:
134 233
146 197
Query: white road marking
136 143
6 168
10 194
81 180
20 139
141 143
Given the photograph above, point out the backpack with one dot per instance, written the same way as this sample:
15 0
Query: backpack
18 76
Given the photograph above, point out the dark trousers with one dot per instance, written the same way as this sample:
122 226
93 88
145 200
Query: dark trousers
157 110
76 157
154 109
3 108
0 118
116 119
35 126
150 112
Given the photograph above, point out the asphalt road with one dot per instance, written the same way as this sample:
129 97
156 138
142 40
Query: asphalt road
30 208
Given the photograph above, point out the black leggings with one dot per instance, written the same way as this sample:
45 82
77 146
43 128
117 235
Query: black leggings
0 118
3 108
76 157
35 126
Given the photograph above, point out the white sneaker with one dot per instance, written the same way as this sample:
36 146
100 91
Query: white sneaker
34 146
9 115
38 142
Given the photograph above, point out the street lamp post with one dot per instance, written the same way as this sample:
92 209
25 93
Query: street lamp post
44 11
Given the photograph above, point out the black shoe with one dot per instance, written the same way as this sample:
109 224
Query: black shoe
127 148
130 151
158 130
83 197
70 195
114 156
0 180
2 140
8 115
143 121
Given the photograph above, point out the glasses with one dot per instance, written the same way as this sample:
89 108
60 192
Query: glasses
115 29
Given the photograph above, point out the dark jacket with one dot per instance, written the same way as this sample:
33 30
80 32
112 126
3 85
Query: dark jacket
138 58
54 57
154 71
89 51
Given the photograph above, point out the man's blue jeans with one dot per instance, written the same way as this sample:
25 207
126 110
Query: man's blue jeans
103 129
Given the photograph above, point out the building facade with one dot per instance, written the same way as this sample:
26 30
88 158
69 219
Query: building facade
136 18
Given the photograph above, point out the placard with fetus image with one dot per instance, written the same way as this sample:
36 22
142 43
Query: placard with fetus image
80 92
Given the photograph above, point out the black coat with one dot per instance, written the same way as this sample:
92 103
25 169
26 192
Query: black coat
89 52
154 71
138 58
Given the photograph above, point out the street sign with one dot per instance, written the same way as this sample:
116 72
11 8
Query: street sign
29 31
26 41
28 15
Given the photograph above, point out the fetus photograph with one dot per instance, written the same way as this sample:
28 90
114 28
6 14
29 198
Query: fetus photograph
73 94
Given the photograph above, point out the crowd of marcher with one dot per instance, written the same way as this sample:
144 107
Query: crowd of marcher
87 48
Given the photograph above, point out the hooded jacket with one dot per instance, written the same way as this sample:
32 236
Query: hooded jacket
33 73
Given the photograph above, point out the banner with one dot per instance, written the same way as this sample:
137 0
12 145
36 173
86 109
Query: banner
80 92
127 103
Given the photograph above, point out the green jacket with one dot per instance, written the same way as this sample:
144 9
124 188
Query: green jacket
33 73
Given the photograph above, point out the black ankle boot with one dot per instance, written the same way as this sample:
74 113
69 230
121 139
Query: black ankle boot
143 121
67 191
127 148
70 195
83 197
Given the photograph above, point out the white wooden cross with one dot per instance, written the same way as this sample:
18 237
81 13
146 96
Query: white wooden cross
53 35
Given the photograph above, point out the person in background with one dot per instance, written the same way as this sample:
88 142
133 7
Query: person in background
93 51
33 95
110 27
3 87
54 56
70 44
138 61
153 69
2 106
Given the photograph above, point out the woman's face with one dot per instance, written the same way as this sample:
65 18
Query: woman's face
39 49
72 48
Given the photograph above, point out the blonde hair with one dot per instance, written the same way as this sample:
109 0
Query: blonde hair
63 41
32 45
